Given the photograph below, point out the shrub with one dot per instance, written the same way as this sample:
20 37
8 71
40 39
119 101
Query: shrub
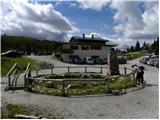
44 65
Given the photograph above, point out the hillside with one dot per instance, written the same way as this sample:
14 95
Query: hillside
27 44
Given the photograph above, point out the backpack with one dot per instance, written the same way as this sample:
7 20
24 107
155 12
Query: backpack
141 68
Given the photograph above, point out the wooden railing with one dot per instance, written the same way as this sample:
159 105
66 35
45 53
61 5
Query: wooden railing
14 74
27 70
11 74
12 68
68 68
27 74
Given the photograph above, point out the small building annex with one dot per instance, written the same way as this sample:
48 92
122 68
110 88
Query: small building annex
78 48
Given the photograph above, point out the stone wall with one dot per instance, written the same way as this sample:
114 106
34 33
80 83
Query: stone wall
113 63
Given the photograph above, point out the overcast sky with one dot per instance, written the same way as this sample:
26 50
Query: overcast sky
121 21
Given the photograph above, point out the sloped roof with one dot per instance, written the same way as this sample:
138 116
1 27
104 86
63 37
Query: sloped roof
87 39
91 40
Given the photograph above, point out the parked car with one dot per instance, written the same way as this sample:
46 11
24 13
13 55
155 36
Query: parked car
11 53
122 60
99 61
145 59
75 59
156 63
88 60
151 62
44 53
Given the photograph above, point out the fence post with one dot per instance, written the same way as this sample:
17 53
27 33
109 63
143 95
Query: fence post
134 79
29 73
51 70
63 88
26 83
37 72
107 84
85 69
9 80
68 69
125 70
101 70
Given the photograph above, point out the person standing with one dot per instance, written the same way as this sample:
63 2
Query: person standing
141 74
137 72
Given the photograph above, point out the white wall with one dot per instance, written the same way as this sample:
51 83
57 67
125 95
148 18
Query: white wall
103 53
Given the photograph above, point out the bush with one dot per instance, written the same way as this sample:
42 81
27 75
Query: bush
72 75
54 76
45 65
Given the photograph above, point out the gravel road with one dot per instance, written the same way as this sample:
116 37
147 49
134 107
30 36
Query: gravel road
137 104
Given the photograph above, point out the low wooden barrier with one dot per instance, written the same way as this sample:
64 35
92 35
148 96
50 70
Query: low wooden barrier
64 81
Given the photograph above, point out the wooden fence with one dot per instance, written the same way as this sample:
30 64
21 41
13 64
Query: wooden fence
13 75
65 81
69 68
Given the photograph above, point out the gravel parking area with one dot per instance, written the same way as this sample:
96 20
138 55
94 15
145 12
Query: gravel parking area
137 104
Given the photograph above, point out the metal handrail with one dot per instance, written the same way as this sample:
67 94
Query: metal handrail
11 69
25 73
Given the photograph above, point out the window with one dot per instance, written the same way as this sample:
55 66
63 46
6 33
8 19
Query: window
74 47
95 47
85 47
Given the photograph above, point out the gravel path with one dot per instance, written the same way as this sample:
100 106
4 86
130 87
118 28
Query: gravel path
138 104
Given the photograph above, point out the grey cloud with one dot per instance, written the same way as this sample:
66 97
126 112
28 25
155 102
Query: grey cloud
133 24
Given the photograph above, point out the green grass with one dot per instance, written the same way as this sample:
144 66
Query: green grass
83 88
121 82
10 110
134 55
8 62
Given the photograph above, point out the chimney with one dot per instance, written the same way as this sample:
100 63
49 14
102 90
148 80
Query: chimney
83 35
92 36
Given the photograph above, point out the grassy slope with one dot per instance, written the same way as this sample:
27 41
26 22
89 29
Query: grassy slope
22 43
7 63
133 55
